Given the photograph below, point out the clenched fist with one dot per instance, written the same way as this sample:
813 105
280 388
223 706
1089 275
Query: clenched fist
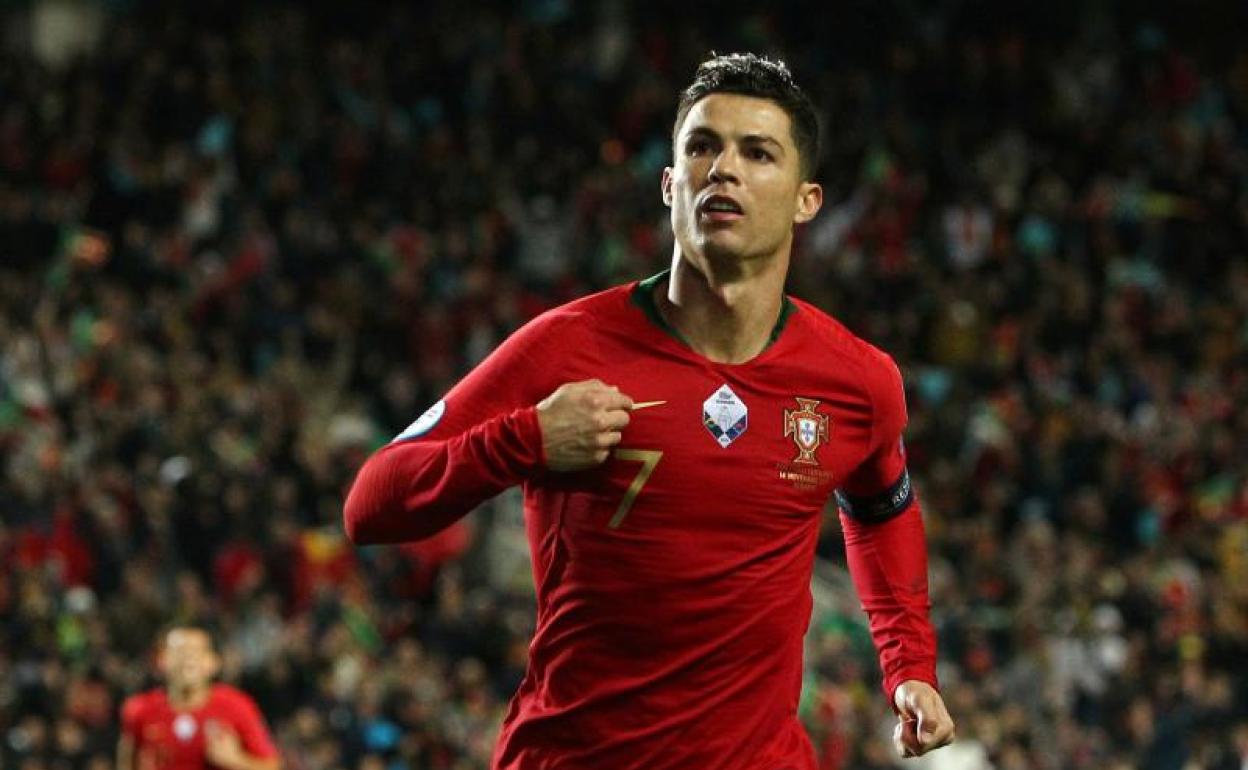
923 723
580 423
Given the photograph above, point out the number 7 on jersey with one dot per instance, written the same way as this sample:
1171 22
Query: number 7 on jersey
648 458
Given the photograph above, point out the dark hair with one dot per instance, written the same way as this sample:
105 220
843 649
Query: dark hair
749 74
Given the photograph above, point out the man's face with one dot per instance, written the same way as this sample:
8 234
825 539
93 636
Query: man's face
735 190
187 659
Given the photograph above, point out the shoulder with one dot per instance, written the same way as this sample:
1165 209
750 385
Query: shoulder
139 705
832 338
876 371
231 697
562 327
567 326
598 306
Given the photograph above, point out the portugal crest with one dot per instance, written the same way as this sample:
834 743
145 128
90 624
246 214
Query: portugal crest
184 727
808 428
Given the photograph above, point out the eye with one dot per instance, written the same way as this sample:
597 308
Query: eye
759 154
697 147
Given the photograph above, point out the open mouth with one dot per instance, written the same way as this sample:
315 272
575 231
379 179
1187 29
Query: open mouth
721 208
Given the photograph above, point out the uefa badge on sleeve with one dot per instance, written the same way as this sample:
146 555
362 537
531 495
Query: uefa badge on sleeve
424 423
725 415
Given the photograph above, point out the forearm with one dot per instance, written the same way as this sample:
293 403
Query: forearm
888 563
411 490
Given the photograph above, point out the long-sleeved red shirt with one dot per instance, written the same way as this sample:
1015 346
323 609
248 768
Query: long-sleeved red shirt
673 581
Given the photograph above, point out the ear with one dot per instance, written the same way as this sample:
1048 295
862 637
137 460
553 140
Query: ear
214 664
666 185
809 201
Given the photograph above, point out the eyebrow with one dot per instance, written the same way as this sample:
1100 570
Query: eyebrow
747 139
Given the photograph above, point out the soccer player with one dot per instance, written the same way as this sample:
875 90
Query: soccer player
192 723
677 439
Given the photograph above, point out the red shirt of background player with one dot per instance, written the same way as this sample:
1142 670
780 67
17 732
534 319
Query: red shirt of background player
166 737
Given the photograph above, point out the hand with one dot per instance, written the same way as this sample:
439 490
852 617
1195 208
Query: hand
923 722
221 746
580 423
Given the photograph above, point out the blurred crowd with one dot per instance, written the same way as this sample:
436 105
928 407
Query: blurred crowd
238 252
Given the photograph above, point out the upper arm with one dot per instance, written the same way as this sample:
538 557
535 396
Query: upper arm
253 733
879 488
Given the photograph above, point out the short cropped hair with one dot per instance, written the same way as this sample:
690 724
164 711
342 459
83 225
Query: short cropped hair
749 74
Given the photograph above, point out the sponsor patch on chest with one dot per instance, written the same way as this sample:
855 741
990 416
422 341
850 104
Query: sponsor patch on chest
725 415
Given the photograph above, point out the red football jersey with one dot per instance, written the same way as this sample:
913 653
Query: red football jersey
169 739
673 581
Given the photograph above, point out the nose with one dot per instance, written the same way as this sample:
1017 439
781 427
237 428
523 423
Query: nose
724 168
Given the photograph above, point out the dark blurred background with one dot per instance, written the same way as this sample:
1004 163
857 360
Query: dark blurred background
243 245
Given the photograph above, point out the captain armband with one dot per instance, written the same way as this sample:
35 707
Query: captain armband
873 509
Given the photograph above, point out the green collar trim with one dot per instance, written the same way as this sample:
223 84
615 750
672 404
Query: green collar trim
643 297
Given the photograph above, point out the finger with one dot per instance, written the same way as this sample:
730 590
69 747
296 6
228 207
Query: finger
936 734
609 439
910 737
901 743
613 419
935 727
615 399
616 419
594 387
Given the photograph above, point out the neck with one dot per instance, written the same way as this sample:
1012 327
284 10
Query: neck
725 313
187 697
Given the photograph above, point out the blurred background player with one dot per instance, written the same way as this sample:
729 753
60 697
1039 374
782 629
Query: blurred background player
192 722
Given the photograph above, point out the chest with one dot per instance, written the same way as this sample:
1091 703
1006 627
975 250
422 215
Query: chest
745 450
172 738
